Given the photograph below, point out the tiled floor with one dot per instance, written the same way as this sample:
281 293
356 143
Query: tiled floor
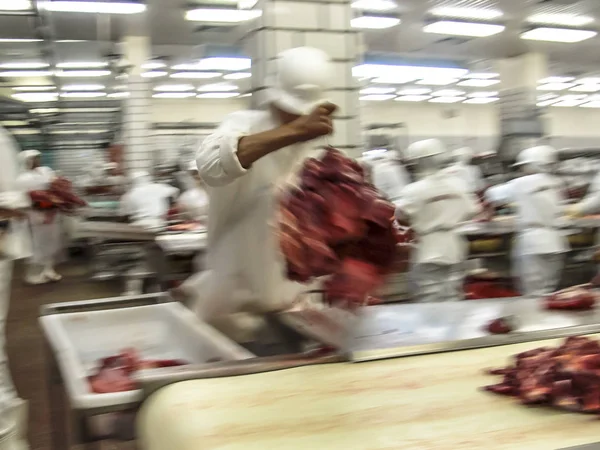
25 340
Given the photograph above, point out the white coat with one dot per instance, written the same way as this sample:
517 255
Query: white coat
147 203
468 174
245 266
390 177
194 203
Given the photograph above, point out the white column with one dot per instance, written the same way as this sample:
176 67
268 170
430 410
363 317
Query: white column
286 24
137 107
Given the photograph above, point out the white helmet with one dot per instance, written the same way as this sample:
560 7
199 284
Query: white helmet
539 157
425 149
463 155
303 75
192 166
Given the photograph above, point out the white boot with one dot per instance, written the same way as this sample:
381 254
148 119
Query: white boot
14 429
51 274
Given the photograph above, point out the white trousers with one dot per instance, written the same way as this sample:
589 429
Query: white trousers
437 282
46 243
538 275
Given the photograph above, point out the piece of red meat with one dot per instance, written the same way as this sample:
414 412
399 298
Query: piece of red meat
577 299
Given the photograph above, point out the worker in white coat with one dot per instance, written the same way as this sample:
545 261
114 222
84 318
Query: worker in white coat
14 244
147 203
389 175
466 171
45 226
540 245
193 203
434 206
242 164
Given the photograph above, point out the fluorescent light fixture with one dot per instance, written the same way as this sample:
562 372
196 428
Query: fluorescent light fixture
437 81
36 96
25 132
481 100
44 111
174 87
448 93
34 88
246 4
545 97
25 73
467 12
155 74
446 99
83 94
483 94
217 63
377 90
218 95
470 29
482 75
196 75
17 40
570 97
374 22
594 104
83 87
400 79
174 95
390 72
589 80
222 15
219 87
82 73
414 91
82 65
478 83
548 102
586 88
96 7
565 35
412 98
556 80
377 97
118 94
555 86
374 5
568 103
151 65
568 20
24 65
99 131
237 76
15 5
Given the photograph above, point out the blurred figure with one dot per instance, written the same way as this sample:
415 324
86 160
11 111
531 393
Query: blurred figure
465 171
540 246
45 225
113 178
389 175
434 206
147 203
193 203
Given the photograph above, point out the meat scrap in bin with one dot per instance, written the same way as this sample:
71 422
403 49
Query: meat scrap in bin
114 373
566 377
334 223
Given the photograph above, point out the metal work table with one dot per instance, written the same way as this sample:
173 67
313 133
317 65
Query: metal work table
170 246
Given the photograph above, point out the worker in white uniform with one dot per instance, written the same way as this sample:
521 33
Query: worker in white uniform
147 203
14 244
193 203
464 169
45 226
539 246
389 175
243 163
113 178
434 206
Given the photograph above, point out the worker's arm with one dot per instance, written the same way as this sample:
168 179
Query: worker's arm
13 204
407 205
591 203
502 194
231 150
390 179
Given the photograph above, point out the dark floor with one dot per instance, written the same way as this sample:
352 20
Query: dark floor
25 338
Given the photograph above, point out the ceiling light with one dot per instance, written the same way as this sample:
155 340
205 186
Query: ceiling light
83 87
565 35
594 104
374 5
437 82
556 80
79 131
174 95
82 65
218 95
482 75
151 65
83 94
463 28
34 88
196 75
568 103
586 88
548 102
36 96
377 90
449 93
391 71
118 94
26 73
483 94
98 7
573 97
545 97
555 86
222 15
394 80
24 65
83 73
414 91
467 13
15 5
374 22
377 97
590 80
44 111
478 83
220 87
246 4
18 41
217 63
155 74
237 76
481 100
25 132
569 20
174 87
413 98
446 99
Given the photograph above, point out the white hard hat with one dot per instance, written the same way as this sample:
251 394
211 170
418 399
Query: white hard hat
192 167
425 149
541 155
303 75
464 154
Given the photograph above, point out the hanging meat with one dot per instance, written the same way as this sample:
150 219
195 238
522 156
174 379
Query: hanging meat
567 377
333 223
59 196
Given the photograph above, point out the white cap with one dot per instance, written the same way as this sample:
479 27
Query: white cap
541 155
303 75
192 167
425 149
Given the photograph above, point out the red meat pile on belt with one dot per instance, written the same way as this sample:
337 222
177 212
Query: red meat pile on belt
567 377
59 196
571 299
115 372
336 224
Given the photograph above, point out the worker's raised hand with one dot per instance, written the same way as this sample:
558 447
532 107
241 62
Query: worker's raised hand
316 124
